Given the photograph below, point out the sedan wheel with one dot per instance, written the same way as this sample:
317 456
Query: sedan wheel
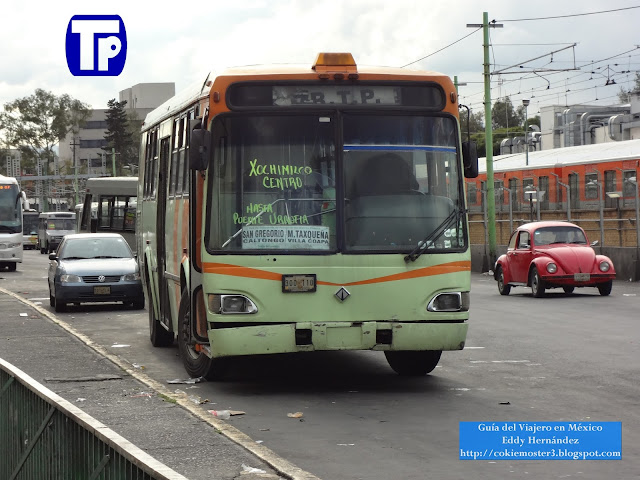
503 288
59 306
537 284
605 288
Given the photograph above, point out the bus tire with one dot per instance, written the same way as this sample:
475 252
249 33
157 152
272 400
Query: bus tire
12 266
197 364
413 363
158 335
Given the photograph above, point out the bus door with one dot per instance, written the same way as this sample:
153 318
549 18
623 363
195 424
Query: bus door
164 315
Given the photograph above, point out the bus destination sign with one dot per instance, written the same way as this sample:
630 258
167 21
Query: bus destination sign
288 95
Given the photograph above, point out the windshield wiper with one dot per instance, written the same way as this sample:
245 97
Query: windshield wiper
452 219
74 258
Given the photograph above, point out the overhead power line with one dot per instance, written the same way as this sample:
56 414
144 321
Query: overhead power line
427 56
567 16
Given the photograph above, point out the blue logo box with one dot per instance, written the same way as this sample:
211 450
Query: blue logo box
540 441
96 45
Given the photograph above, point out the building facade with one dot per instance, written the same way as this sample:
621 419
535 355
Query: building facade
85 148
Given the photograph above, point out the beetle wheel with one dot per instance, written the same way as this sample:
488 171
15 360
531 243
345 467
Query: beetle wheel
605 288
503 288
537 284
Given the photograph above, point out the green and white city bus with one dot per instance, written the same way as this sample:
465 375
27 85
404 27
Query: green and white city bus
304 208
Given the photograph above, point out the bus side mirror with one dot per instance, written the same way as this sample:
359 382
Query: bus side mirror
470 159
199 149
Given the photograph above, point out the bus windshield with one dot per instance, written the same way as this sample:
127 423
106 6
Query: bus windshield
30 223
10 218
282 183
61 224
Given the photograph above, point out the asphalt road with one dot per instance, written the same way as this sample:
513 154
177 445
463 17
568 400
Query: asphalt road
561 358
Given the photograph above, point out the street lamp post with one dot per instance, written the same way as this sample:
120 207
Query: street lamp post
598 184
525 102
508 190
568 195
634 181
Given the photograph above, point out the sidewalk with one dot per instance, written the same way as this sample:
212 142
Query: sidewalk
149 415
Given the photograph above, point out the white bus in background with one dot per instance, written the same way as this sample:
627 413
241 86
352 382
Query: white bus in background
52 227
12 202
110 206
30 229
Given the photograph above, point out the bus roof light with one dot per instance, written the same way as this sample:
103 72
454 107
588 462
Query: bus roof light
335 63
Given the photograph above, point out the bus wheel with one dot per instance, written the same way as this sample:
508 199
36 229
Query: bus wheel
196 363
12 266
158 335
413 363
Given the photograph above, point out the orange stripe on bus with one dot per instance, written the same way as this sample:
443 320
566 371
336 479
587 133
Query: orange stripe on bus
238 271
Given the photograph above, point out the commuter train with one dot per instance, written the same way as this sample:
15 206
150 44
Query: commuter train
585 175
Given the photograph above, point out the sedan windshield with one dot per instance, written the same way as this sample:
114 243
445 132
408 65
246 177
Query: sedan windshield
84 248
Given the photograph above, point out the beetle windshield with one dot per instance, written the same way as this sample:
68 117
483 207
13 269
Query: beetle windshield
560 234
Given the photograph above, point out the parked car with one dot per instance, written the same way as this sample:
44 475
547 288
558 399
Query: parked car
94 267
544 255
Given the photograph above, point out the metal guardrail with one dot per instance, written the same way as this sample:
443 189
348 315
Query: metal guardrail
43 436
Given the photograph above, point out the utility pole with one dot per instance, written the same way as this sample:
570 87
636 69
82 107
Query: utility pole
75 169
491 200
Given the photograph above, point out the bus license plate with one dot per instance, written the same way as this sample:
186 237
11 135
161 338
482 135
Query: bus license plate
101 290
298 283
582 277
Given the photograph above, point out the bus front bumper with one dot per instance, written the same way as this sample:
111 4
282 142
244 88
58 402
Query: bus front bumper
307 336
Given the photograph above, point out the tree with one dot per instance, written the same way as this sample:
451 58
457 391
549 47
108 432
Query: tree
119 136
135 124
472 124
504 116
625 95
37 123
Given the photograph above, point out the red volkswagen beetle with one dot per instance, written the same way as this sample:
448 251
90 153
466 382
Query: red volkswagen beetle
545 255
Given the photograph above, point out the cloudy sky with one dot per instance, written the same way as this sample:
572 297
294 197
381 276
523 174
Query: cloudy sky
180 41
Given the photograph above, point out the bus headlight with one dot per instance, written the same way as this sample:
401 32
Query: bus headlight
67 278
552 267
450 302
604 266
14 245
230 304
131 277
